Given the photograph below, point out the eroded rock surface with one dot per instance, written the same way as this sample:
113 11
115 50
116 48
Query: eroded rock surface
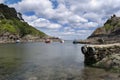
105 56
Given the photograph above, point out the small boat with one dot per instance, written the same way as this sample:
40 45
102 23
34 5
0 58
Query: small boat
62 41
75 42
48 41
18 41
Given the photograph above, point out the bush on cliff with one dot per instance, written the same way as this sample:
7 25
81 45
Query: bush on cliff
12 22
15 26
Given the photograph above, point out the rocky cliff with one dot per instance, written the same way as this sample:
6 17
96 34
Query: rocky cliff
13 27
103 56
109 33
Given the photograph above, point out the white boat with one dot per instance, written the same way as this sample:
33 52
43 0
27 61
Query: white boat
62 41
18 41
48 41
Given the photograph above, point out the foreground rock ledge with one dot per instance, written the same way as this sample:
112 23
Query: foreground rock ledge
104 56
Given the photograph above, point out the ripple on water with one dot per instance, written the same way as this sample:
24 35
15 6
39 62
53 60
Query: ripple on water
39 61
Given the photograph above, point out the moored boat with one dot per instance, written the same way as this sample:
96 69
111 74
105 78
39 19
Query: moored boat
18 41
48 41
62 41
75 42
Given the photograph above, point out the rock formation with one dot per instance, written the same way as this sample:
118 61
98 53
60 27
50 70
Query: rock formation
109 33
13 27
107 53
8 12
103 56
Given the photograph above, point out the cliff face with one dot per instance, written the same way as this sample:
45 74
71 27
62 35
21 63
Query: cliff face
13 26
9 13
107 55
109 33
104 56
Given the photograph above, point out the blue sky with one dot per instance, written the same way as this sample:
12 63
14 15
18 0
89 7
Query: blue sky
67 19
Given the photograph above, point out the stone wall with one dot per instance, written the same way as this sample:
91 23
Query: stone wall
105 56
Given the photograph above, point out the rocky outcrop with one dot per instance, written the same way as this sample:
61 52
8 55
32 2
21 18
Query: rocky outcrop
8 37
19 15
9 13
109 33
13 27
104 56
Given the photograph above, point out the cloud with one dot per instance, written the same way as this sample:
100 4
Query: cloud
77 19
68 17
2 1
40 7
41 22
45 9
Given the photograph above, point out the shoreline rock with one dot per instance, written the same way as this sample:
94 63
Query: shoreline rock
10 38
102 56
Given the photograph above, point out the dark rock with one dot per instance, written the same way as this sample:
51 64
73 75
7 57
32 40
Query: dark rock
105 56
9 13
19 15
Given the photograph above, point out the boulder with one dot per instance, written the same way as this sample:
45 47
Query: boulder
104 56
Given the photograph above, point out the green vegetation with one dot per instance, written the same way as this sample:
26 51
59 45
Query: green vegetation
14 25
18 27
118 25
112 24
108 27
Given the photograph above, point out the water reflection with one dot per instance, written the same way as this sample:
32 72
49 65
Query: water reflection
40 61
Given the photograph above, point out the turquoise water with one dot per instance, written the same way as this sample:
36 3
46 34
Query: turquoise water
54 61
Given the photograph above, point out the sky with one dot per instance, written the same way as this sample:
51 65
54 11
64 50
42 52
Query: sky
66 19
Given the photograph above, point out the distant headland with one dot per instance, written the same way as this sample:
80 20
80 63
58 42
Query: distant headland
107 53
13 28
108 33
